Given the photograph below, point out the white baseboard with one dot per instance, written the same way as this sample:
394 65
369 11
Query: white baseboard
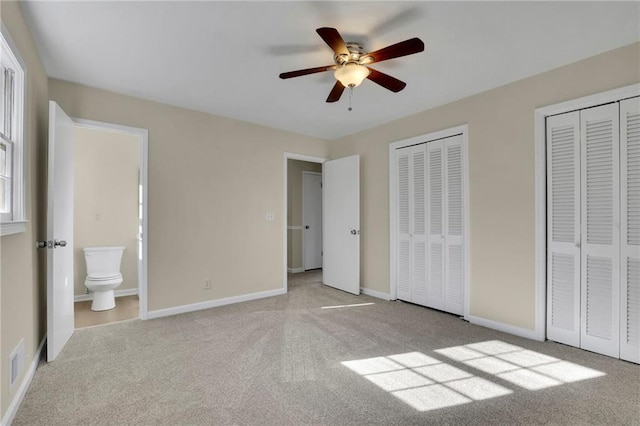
24 386
373 293
118 293
295 270
506 328
214 303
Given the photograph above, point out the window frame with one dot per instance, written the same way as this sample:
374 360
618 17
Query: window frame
15 221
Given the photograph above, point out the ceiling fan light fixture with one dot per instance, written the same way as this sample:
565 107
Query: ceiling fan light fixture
351 75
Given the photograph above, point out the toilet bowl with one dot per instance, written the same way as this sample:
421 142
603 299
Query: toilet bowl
103 275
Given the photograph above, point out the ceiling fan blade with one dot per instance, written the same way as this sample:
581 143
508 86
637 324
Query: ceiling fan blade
307 71
336 92
332 37
386 81
404 48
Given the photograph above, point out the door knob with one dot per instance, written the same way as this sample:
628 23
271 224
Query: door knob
354 232
51 244
306 227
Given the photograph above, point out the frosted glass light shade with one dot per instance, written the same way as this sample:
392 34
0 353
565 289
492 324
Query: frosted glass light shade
351 75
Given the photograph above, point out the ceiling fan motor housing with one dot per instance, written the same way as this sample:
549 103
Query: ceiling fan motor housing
355 55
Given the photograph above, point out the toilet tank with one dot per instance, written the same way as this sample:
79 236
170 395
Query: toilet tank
103 260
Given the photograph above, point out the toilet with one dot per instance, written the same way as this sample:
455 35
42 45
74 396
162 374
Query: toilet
103 275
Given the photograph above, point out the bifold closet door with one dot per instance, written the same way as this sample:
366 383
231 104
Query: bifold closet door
600 229
630 229
411 275
453 226
435 225
445 230
418 226
563 229
403 274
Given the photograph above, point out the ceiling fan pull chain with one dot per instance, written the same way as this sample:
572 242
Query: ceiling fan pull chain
350 92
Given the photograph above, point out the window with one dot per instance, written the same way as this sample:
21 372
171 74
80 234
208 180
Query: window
12 82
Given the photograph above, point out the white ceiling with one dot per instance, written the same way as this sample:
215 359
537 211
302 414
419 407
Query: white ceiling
225 57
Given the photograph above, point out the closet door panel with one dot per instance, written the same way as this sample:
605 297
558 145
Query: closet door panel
453 226
630 229
600 263
403 275
435 225
563 228
418 226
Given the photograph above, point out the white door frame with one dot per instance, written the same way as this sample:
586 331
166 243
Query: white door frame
305 172
290 156
393 237
143 134
540 115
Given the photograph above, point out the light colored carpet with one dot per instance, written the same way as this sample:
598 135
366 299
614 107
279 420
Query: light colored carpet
280 361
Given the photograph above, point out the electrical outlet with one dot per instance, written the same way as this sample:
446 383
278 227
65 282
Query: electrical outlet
207 284
269 216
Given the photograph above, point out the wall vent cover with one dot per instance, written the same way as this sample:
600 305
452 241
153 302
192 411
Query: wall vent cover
16 363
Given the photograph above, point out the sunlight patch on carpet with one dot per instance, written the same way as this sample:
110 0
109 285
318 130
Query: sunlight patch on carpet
426 383
355 305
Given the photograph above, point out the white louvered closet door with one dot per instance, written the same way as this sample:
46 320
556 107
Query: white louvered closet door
453 226
403 274
435 226
630 229
563 229
418 225
600 216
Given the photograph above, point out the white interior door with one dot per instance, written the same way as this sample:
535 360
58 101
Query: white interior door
403 275
630 229
60 323
412 256
435 225
341 230
563 230
417 225
453 227
312 220
600 263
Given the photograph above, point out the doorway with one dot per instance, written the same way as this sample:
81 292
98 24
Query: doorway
304 215
110 210
294 260
340 223
311 219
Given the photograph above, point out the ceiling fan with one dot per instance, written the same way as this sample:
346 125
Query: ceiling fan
351 63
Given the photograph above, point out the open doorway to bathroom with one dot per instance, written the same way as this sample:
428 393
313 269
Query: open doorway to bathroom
304 221
109 216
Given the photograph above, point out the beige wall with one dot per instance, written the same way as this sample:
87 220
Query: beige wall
106 175
211 182
212 179
294 208
501 178
22 289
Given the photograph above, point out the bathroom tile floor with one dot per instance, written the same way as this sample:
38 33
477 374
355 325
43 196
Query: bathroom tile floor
126 309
